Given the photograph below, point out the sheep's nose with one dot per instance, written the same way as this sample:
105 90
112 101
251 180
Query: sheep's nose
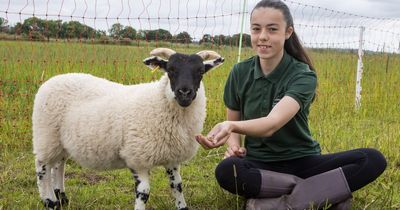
184 91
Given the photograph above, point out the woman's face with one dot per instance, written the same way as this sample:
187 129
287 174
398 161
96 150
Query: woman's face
268 32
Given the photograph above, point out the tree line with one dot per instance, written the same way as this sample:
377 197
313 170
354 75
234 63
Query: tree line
39 29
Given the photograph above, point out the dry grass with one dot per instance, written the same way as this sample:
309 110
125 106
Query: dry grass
333 119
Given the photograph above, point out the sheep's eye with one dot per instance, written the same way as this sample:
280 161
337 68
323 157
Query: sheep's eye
172 72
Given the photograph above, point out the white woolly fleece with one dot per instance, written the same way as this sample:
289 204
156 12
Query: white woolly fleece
106 125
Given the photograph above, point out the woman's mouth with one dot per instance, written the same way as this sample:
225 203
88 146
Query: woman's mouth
264 46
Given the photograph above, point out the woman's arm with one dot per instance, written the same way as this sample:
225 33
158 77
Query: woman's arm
234 144
234 139
283 111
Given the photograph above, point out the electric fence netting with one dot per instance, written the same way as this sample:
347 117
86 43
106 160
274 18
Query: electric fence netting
356 58
110 38
176 23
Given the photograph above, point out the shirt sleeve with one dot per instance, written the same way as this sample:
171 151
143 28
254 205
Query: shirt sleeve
231 97
302 88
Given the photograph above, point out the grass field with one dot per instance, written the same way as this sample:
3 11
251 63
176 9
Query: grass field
334 122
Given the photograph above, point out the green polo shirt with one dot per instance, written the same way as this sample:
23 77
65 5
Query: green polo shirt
247 90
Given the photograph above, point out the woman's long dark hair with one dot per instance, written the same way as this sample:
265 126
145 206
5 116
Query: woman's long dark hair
292 45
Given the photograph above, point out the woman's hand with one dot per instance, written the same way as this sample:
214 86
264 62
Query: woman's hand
205 142
217 136
235 151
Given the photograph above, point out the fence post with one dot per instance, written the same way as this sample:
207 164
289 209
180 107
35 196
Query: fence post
359 68
398 50
241 31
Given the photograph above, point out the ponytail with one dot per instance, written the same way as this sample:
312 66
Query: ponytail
294 47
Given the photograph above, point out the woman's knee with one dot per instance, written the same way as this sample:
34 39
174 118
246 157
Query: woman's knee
371 166
237 176
224 172
375 159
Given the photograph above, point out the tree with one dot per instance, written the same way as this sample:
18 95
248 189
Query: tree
158 34
3 25
115 30
31 24
74 29
219 39
16 29
141 34
206 38
164 34
246 40
183 37
33 28
227 41
2 21
51 28
128 32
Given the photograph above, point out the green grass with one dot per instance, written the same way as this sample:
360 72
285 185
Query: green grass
334 122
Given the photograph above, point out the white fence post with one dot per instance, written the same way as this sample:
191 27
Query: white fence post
359 68
398 50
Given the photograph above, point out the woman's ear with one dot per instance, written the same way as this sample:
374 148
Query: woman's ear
289 32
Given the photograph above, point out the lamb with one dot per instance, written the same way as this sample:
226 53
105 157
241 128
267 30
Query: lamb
105 125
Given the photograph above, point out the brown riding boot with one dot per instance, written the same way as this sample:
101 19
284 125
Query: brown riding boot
274 184
344 205
314 192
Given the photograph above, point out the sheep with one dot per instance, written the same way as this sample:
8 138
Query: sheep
105 125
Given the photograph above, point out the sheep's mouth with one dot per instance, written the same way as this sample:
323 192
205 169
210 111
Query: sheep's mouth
184 102
185 99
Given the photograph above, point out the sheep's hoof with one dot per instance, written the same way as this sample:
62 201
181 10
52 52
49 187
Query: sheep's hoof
49 204
62 197
185 208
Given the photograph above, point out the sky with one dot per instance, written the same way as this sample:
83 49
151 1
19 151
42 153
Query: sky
319 23
370 8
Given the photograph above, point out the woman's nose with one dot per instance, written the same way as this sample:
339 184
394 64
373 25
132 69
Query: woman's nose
264 35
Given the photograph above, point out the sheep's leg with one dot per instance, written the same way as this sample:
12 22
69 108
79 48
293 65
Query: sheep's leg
142 188
175 181
57 173
43 174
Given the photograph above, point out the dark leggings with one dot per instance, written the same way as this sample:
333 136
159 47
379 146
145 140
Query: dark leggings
360 166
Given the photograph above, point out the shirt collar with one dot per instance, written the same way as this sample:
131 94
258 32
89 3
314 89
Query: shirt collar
275 75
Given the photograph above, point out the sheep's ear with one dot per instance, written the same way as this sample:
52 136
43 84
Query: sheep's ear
210 64
155 62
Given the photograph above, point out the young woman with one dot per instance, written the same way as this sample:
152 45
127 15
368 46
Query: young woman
268 98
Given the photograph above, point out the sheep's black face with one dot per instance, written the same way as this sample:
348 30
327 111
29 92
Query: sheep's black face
185 73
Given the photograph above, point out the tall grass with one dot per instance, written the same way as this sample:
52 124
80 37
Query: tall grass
334 122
